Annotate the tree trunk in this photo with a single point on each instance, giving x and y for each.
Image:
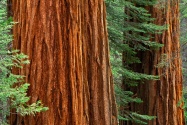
(162, 98)
(67, 44)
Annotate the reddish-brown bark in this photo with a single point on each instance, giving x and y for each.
(66, 41)
(162, 98)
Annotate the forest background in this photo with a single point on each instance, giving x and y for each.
(130, 28)
(131, 24)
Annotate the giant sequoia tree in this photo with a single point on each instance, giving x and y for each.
(162, 98)
(66, 41)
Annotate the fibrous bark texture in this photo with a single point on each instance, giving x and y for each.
(66, 41)
(162, 98)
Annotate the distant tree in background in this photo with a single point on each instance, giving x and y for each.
(130, 29)
(137, 39)
(162, 98)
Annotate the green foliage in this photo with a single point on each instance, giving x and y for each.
(130, 31)
(12, 95)
(125, 97)
(183, 9)
(137, 118)
(183, 18)
(185, 103)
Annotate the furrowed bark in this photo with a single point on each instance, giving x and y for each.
(67, 44)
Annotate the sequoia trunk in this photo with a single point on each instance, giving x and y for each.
(66, 41)
(162, 98)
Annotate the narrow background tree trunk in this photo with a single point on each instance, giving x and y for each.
(162, 98)
(66, 41)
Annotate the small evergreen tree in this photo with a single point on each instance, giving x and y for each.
(12, 94)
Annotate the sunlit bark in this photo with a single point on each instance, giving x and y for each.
(66, 41)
